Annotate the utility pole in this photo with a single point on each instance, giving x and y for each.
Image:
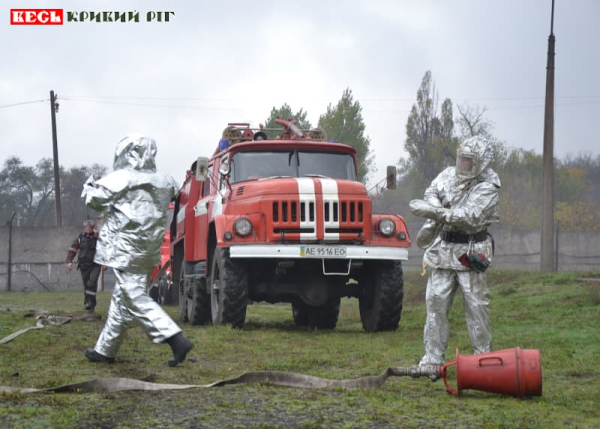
(547, 237)
(53, 112)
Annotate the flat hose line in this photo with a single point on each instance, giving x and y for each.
(276, 378)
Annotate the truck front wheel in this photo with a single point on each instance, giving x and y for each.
(229, 290)
(381, 295)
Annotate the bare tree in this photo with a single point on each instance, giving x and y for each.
(472, 122)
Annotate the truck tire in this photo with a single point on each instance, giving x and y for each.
(381, 296)
(325, 316)
(164, 295)
(183, 306)
(153, 292)
(229, 290)
(198, 310)
(301, 313)
(322, 317)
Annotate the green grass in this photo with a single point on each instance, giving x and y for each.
(551, 312)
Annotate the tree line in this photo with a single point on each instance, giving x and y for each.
(433, 132)
(28, 192)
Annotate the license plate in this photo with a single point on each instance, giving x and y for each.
(322, 252)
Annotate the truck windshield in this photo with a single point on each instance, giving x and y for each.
(255, 165)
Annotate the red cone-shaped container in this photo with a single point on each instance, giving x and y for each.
(513, 372)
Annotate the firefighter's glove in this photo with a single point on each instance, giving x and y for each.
(424, 209)
(428, 232)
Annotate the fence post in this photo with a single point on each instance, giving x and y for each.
(9, 224)
(556, 247)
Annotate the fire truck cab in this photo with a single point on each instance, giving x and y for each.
(283, 219)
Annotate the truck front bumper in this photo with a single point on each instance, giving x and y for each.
(318, 251)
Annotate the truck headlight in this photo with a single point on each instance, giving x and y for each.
(387, 227)
(243, 226)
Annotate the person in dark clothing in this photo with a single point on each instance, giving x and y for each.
(85, 246)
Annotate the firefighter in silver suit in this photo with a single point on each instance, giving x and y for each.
(133, 200)
(460, 204)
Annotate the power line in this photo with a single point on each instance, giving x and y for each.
(150, 105)
(24, 102)
(411, 100)
(514, 107)
(585, 100)
(535, 106)
(117, 97)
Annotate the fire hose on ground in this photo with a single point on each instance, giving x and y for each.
(514, 372)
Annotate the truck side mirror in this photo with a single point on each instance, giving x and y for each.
(202, 169)
(391, 177)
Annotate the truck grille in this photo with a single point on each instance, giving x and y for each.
(294, 220)
(287, 211)
(344, 212)
(343, 219)
(297, 220)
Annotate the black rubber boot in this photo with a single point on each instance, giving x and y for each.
(94, 356)
(180, 346)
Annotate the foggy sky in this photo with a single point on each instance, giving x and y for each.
(181, 82)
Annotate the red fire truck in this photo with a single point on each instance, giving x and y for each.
(284, 219)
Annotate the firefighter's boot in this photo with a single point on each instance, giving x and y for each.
(180, 346)
(94, 356)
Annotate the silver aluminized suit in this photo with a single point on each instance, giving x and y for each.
(459, 206)
(133, 200)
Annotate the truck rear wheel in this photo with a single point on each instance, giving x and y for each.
(323, 316)
(183, 308)
(301, 313)
(153, 292)
(164, 294)
(198, 310)
(229, 290)
(381, 296)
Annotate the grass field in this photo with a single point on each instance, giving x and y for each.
(554, 313)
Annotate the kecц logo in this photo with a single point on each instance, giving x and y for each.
(58, 16)
(36, 17)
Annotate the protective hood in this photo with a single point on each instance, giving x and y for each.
(133, 200)
(137, 152)
(474, 155)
